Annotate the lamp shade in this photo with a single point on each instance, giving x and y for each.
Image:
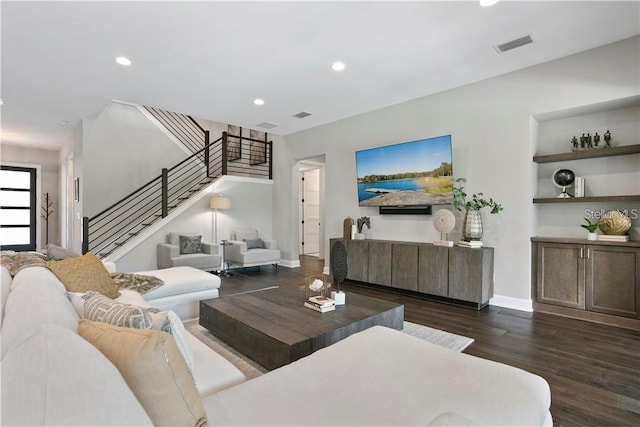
(220, 202)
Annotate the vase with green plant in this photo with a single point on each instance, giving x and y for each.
(472, 225)
(591, 227)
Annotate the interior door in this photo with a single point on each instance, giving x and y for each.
(311, 212)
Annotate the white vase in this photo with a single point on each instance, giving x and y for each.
(359, 236)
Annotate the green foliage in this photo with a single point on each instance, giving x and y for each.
(477, 201)
(590, 226)
(443, 170)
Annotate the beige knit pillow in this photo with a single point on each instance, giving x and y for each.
(84, 273)
(154, 369)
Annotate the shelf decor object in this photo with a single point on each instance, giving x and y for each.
(614, 223)
(472, 224)
(563, 178)
(444, 221)
(591, 228)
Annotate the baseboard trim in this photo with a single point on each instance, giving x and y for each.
(289, 263)
(326, 270)
(510, 302)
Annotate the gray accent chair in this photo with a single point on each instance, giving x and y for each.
(241, 250)
(169, 254)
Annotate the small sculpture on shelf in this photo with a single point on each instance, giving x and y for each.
(574, 144)
(587, 142)
(607, 138)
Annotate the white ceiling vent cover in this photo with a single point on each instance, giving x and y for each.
(522, 41)
(267, 125)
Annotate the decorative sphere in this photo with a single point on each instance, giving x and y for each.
(563, 177)
(614, 223)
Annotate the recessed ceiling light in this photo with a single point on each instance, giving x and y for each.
(487, 3)
(338, 66)
(1, 101)
(63, 122)
(122, 60)
(258, 101)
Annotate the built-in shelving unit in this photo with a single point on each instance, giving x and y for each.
(591, 199)
(588, 154)
(583, 155)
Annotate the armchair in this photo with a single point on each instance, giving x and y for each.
(187, 249)
(247, 249)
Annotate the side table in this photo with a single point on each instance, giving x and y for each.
(225, 268)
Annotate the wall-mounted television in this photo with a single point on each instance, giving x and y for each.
(416, 173)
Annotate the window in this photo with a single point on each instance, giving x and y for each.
(17, 208)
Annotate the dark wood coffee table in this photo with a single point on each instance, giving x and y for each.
(273, 327)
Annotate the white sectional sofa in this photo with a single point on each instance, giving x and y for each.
(52, 376)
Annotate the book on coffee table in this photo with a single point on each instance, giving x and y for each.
(321, 301)
(313, 306)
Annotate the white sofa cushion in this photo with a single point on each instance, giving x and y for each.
(57, 378)
(37, 299)
(212, 372)
(384, 377)
(180, 280)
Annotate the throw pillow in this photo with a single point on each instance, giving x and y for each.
(136, 282)
(84, 273)
(169, 322)
(154, 369)
(254, 243)
(190, 245)
(57, 253)
(102, 309)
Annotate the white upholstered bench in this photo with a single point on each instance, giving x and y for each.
(182, 291)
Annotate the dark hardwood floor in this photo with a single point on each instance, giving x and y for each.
(593, 370)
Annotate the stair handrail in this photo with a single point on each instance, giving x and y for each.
(177, 185)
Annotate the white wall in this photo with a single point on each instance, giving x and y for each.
(123, 150)
(491, 128)
(48, 176)
(251, 207)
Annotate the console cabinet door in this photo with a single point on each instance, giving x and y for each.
(613, 280)
(433, 270)
(560, 274)
(379, 263)
(358, 256)
(404, 266)
(471, 274)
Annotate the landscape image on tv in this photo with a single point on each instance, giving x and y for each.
(408, 174)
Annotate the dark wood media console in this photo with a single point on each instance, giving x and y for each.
(458, 275)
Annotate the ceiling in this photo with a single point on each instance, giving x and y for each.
(212, 59)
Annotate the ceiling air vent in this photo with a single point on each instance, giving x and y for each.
(522, 41)
(267, 125)
(302, 115)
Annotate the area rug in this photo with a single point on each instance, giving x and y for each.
(251, 369)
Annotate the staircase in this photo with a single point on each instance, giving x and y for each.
(106, 232)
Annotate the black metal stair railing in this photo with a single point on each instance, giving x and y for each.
(182, 126)
(110, 229)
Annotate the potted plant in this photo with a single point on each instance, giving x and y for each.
(591, 227)
(472, 225)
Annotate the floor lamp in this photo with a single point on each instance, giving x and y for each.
(219, 201)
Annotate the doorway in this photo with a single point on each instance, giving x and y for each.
(310, 212)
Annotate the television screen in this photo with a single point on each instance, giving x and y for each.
(416, 173)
